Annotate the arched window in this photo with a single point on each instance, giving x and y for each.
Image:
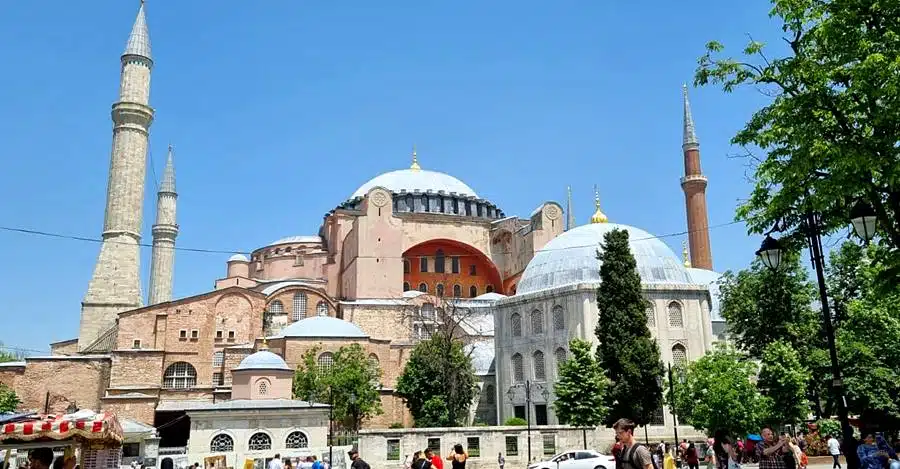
(540, 371)
(221, 443)
(439, 289)
(518, 368)
(651, 316)
(299, 306)
(276, 307)
(263, 388)
(406, 266)
(180, 375)
(515, 323)
(325, 361)
(457, 291)
(427, 311)
(473, 291)
(296, 440)
(676, 316)
(559, 318)
(410, 205)
(423, 264)
(561, 356)
(259, 442)
(423, 287)
(537, 322)
(489, 394)
(489, 289)
(439, 261)
(373, 360)
(679, 354)
(322, 309)
(405, 286)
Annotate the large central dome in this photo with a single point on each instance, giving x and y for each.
(412, 180)
(571, 258)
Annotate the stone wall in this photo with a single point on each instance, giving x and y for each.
(81, 379)
(141, 409)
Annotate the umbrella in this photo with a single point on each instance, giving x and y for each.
(754, 437)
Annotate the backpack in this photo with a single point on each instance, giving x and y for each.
(628, 456)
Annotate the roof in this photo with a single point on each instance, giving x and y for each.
(297, 239)
(709, 279)
(272, 288)
(571, 258)
(322, 326)
(238, 258)
(139, 39)
(412, 180)
(482, 354)
(81, 425)
(263, 360)
(238, 404)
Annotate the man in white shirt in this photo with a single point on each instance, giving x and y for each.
(834, 449)
(275, 463)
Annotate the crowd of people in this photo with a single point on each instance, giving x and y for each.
(428, 459)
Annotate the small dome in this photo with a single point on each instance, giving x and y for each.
(238, 258)
(297, 239)
(263, 360)
(323, 326)
(412, 180)
(571, 258)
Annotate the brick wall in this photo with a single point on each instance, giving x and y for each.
(136, 368)
(142, 410)
(81, 380)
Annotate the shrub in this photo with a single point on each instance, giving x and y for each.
(515, 422)
(395, 425)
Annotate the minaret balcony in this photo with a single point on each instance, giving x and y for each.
(694, 180)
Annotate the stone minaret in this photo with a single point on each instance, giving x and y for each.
(116, 283)
(570, 215)
(165, 230)
(694, 185)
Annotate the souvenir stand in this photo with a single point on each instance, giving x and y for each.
(95, 437)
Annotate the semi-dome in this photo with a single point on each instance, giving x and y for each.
(323, 326)
(412, 180)
(238, 258)
(263, 360)
(571, 258)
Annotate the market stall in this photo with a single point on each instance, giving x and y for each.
(94, 438)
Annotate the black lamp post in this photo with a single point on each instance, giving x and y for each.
(672, 408)
(330, 427)
(771, 253)
(511, 395)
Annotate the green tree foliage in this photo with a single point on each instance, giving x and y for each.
(627, 353)
(783, 380)
(438, 382)
(716, 392)
(9, 401)
(350, 384)
(830, 133)
(580, 388)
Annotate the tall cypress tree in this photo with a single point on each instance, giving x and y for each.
(627, 352)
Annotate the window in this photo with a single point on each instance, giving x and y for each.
(325, 361)
(276, 307)
(299, 306)
(540, 371)
(406, 268)
(454, 264)
(473, 446)
(423, 288)
(676, 318)
(263, 388)
(512, 445)
(136, 344)
(658, 418)
(489, 394)
(221, 443)
(296, 440)
(560, 355)
(537, 322)
(373, 360)
(679, 355)
(515, 322)
(457, 291)
(195, 334)
(439, 289)
(489, 289)
(182, 334)
(260, 442)
(218, 379)
(405, 286)
(473, 291)
(218, 358)
(518, 368)
(427, 312)
(423, 264)
(393, 449)
(230, 335)
(473, 270)
(549, 443)
(322, 309)
(434, 444)
(220, 335)
(559, 318)
(651, 316)
(180, 375)
(439, 261)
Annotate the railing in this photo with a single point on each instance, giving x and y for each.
(342, 437)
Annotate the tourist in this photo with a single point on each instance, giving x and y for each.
(726, 453)
(358, 462)
(834, 449)
(501, 461)
(709, 456)
(458, 457)
(691, 457)
(633, 455)
(436, 461)
(275, 463)
(316, 463)
(40, 458)
(771, 451)
(870, 455)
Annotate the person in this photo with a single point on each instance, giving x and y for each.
(771, 450)
(691, 457)
(798, 453)
(275, 463)
(709, 457)
(501, 461)
(870, 455)
(634, 456)
(419, 461)
(660, 454)
(436, 461)
(40, 458)
(458, 457)
(834, 449)
(316, 463)
(357, 462)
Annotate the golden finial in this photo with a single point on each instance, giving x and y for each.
(415, 164)
(684, 254)
(265, 344)
(598, 217)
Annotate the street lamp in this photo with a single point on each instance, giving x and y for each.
(864, 221)
(672, 408)
(511, 394)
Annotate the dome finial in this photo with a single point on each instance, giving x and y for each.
(415, 162)
(599, 216)
(684, 254)
(265, 344)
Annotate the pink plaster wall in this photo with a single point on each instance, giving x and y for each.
(246, 384)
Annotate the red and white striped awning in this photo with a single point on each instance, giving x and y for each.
(83, 424)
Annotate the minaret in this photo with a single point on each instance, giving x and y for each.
(570, 218)
(694, 185)
(165, 230)
(116, 282)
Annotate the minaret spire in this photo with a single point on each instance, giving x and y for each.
(165, 230)
(415, 160)
(684, 254)
(690, 135)
(694, 186)
(139, 40)
(570, 218)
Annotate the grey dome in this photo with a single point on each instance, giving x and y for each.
(571, 258)
(263, 360)
(238, 258)
(323, 326)
(412, 180)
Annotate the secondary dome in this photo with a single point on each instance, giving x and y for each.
(323, 326)
(412, 180)
(263, 360)
(571, 258)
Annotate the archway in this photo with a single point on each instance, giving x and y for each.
(446, 264)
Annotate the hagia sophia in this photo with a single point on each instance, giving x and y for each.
(401, 246)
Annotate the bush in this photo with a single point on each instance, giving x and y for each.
(816, 445)
(515, 422)
(395, 425)
(828, 427)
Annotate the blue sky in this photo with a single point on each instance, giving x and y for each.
(279, 113)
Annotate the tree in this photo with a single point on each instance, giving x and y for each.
(627, 353)
(716, 393)
(579, 389)
(350, 384)
(438, 382)
(9, 401)
(783, 380)
(830, 133)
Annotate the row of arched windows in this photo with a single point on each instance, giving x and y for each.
(537, 322)
(259, 441)
(326, 361)
(674, 312)
(538, 364)
(440, 291)
(299, 309)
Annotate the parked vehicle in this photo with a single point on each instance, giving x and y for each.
(578, 459)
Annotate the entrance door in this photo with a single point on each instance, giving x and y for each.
(540, 414)
(519, 412)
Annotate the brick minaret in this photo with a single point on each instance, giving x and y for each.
(116, 283)
(694, 185)
(165, 230)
